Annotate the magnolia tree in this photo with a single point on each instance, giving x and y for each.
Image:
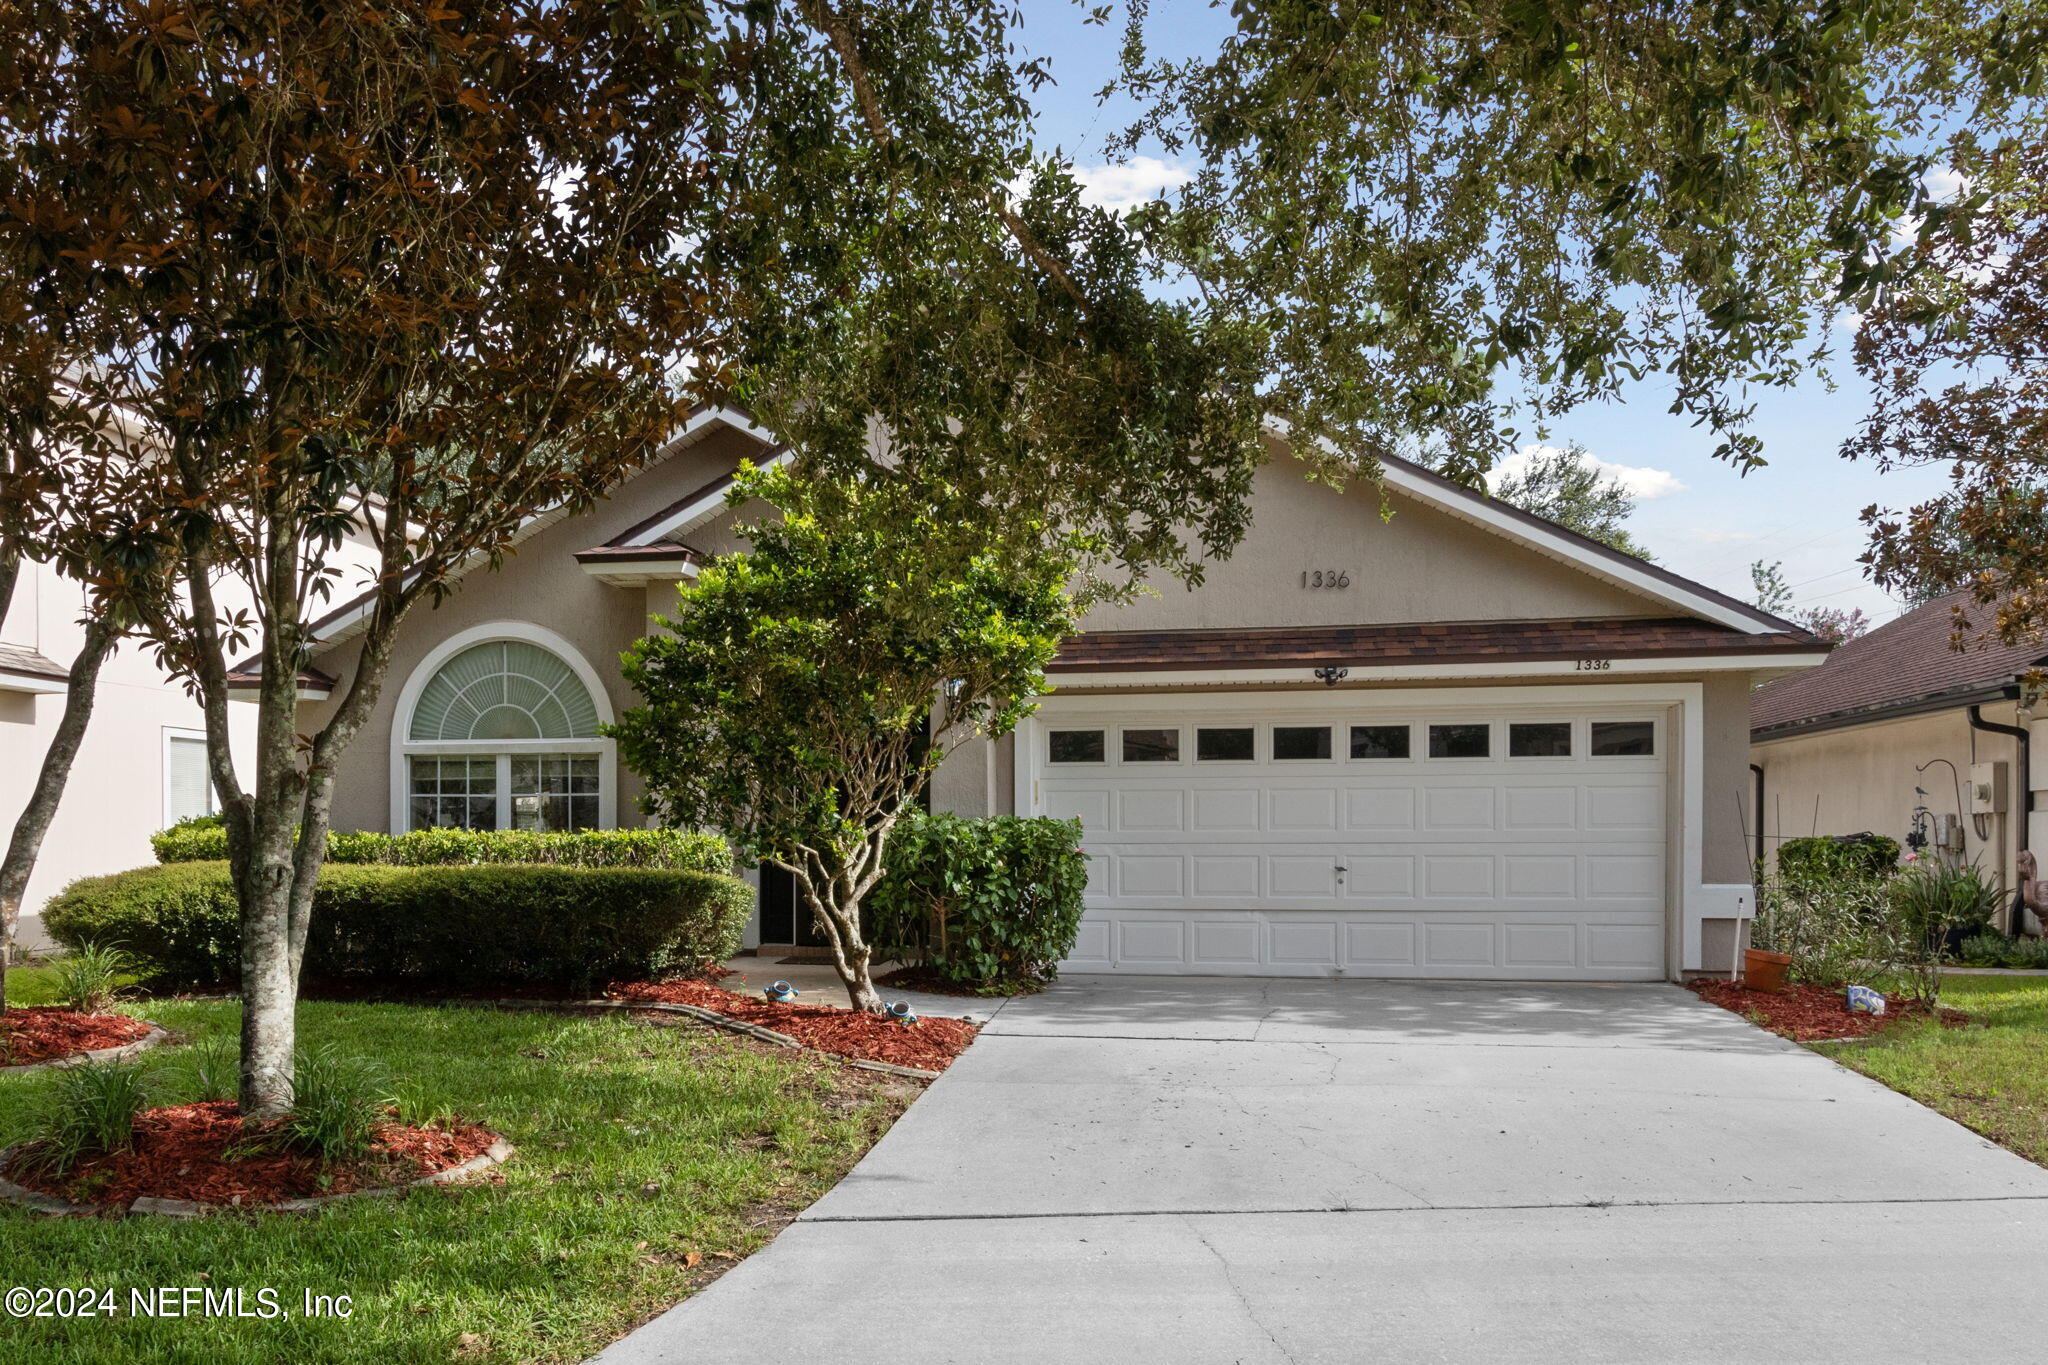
(351, 270)
(806, 689)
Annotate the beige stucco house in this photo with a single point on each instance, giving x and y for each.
(1457, 742)
(1901, 734)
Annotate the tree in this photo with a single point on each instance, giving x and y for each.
(1774, 595)
(1454, 219)
(1568, 487)
(806, 689)
(1957, 357)
(354, 267)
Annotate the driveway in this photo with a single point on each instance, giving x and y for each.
(1239, 1170)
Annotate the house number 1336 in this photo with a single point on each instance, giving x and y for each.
(1326, 578)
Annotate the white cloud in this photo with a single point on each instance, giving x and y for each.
(1643, 484)
(1122, 186)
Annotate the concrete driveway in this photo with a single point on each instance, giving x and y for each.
(1292, 1171)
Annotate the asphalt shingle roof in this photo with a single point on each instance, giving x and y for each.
(1902, 662)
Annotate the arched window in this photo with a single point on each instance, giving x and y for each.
(499, 729)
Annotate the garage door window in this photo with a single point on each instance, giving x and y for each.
(1379, 741)
(1076, 746)
(1296, 742)
(1540, 739)
(1232, 745)
(1460, 741)
(1624, 738)
(1151, 746)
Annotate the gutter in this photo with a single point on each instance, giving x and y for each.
(1758, 769)
(2001, 690)
(2026, 804)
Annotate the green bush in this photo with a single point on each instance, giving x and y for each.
(423, 927)
(89, 1112)
(1996, 950)
(205, 840)
(195, 839)
(981, 902)
(1942, 904)
(1839, 855)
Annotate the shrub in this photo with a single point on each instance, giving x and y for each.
(90, 1111)
(981, 902)
(1940, 904)
(1996, 950)
(443, 927)
(210, 1068)
(91, 977)
(1840, 855)
(338, 1104)
(680, 850)
(1834, 928)
(196, 838)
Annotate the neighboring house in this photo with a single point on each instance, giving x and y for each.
(1460, 742)
(141, 766)
(1898, 731)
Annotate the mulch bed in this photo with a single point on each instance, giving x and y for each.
(203, 1153)
(43, 1034)
(930, 1044)
(929, 982)
(1812, 1014)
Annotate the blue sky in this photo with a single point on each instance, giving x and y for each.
(1697, 515)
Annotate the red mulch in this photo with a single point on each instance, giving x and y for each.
(202, 1152)
(41, 1034)
(930, 1044)
(1810, 1014)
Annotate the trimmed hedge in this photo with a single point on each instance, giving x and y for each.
(443, 927)
(204, 840)
(1834, 854)
(981, 901)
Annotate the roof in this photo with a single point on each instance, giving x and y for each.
(1434, 642)
(1903, 665)
(26, 662)
(246, 676)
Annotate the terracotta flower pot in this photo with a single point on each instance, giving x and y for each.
(1763, 970)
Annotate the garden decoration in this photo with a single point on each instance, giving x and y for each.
(1763, 970)
(781, 992)
(902, 1012)
(1863, 1000)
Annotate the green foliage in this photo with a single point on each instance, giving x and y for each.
(1835, 928)
(1569, 487)
(208, 1068)
(678, 849)
(1841, 855)
(90, 977)
(1938, 903)
(1459, 221)
(197, 838)
(983, 902)
(423, 927)
(1996, 950)
(338, 1103)
(90, 1111)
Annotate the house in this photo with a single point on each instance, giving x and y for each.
(140, 767)
(1901, 734)
(1459, 742)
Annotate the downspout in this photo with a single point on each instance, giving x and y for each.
(2026, 804)
(1758, 769)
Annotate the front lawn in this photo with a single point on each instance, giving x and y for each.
(651, 1156)
(1991, 1075)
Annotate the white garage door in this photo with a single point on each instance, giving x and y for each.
(1359, 841)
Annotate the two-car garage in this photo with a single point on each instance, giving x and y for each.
(1503, 832)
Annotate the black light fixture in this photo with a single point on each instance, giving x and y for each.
(1332, 675)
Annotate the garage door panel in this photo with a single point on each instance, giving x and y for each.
(1381, 808)
(1313, 809)
(1150, 810)
(1547, 867)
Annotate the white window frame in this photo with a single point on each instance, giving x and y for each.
(403, 750)
(171, 732)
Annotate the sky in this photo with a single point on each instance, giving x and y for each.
(1694, 513)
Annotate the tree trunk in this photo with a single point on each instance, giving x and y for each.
(80, 690)
(834, 895)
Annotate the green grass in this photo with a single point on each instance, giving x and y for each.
(1991, 1076)
(642, 1149)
